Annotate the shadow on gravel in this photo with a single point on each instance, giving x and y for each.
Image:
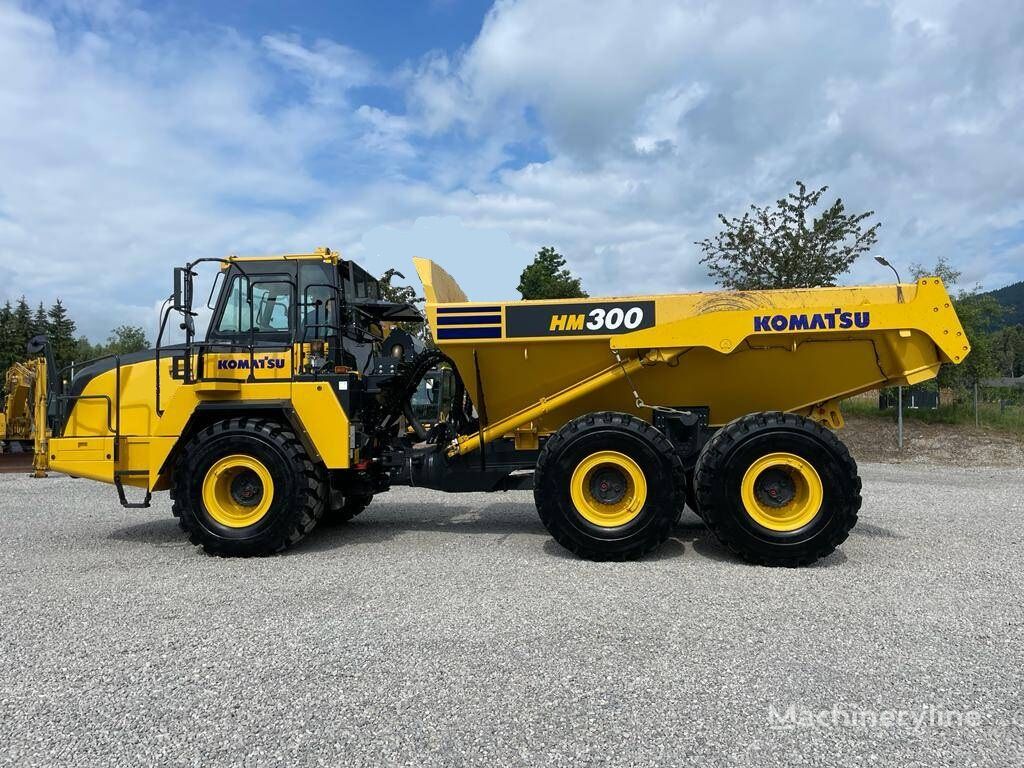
(705, 544)
(836, 558)
(493, 520)
(702, 541)
(876, 531)
(670, 550)
(373, 526)
(696, 535)
(163, 532)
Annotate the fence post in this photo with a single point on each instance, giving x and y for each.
(899, 418)
(977, 418)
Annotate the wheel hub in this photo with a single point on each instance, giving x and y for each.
(246, 488)
(608, 489)
(775, 488)
(608, 485)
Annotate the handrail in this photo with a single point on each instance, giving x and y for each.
(113, 426)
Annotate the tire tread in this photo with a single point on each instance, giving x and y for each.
(311, 482)
(546, 460)
(713, 455)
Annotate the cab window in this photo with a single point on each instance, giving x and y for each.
(271, 307)
(360, 285)
(318, 308)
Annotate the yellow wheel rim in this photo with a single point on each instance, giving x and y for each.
(238, 491)
(782, 492)
(608, 489)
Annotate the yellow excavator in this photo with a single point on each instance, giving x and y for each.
(24, 407)
(300, 401)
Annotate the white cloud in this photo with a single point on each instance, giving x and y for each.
(658, 115)
(329, 67)
(613, 130)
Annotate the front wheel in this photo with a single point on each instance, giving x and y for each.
(609, 486)
(777, 489)
(245, 487)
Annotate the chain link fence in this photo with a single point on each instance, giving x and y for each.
(996, 402)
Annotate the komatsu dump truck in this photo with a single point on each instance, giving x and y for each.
(298, 403)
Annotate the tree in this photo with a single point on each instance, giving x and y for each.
(402, 294)
(125, 339)
(1008, 349)
(949, 274)
(62, 334)
(8, 352)
(40, 322)
(86, 350)
(777, 248)
(977, 312)
(399, 294)
(21, 324)
(548, 278)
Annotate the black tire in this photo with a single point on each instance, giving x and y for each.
(734, 448)
(298, 488)
(691, 495)
(647, 447)
(350, 506)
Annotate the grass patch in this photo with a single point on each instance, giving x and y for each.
(1010, 418)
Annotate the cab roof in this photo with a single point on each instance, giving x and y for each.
(320, 254)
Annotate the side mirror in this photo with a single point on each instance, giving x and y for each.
(179, 287)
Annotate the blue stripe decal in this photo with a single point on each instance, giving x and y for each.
(470, 320)
(469, 333)
(465, 310)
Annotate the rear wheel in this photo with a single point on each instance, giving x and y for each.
(609, 486)
(777, 489)
(246, 487)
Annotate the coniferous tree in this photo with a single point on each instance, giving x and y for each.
(8, 353)
(40, 322)
(62, 334)
(22, 328)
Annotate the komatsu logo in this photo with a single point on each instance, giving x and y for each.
(243, 364)
(819, 321)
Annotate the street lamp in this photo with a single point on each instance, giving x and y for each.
(899, 288)
(899, 398)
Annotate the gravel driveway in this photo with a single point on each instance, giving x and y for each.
(450, 630)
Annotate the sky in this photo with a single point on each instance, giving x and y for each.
(135, 136)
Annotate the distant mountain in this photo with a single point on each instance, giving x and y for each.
(1011, 297)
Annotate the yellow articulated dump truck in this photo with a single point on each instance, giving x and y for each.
(298, 403)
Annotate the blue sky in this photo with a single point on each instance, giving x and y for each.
(135, 136)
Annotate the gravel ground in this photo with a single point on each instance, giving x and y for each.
(440, 630)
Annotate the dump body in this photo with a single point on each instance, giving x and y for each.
(732, 352)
